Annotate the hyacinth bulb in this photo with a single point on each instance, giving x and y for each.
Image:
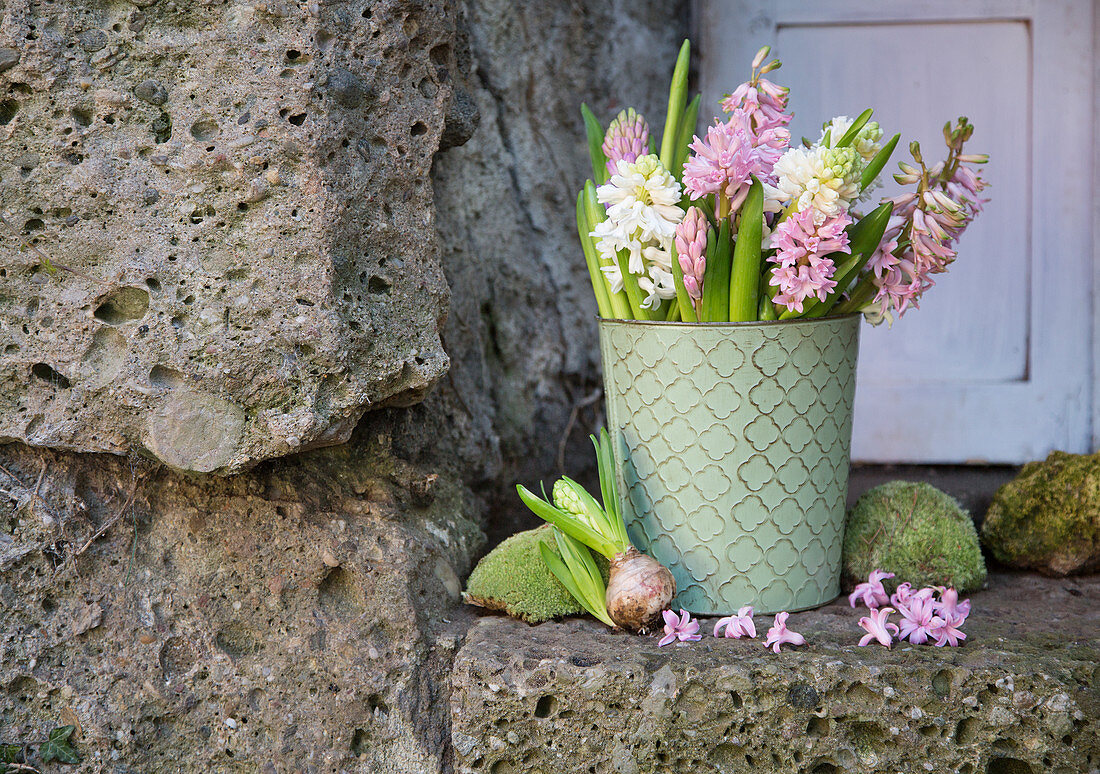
(638, 590)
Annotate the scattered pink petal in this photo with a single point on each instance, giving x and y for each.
(683, 628)
(871, 593)
(877, 627)
(901, 595)
(949, 607)
(779, 634)
(737, 626)
(947, 632)
(916, 617)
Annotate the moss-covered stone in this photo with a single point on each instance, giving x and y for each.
(514, 579)
(1048, 517)
(915, 531)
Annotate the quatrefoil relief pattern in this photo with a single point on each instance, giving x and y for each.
(731, 449)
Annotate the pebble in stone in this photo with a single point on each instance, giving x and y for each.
(346, 87)
(9, 58)
(151, 91)
(93, 40)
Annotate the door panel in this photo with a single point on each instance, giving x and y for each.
(996, 364)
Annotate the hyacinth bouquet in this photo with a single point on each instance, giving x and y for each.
(731, 269)
(741, 225)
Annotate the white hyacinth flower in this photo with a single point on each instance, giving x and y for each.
(643, 197)
(824, 179)
(643, 210)
(868, 140)
(658, 286)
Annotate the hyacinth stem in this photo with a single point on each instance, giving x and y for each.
(683, 300)
(595, 134)
(595, 213)
(875, 165)
(677, 98)
(745, 273)
(633, 291)
(592, 259)
(687, 132)
(766, 309)
(860, 296)
(673, 313)
(716, 276)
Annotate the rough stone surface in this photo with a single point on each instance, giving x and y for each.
(293, 616)
(1048, 518)
(1022, 695)
(338, 657)
(241, 192)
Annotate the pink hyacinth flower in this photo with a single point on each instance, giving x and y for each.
(682, 627)
(627, 139)
(871, 593)
(802, 249)
(949, 607)
(691, 252)
(762, 101)
(947, 632)
(916, 617)
(737, 626)
(779, 634)
(731, 154)
(877, 627)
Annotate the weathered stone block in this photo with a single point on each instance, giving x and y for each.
(1022, 695)
(239, 195)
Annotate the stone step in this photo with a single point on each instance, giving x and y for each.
(1022, 695)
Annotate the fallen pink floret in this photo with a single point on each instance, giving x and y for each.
(949, 607)
(947, 632)
(682, 627)
(737, 626)
(779, 634)
(878, 628)
(871, 593)
(917, 616)
(901, 595)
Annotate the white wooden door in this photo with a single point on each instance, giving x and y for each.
(997, 364)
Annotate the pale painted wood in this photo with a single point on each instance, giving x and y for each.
(997, 365)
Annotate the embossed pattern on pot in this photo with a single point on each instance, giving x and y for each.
(732, 450)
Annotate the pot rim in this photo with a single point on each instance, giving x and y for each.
(747, 324)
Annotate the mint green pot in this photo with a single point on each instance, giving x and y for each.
(732, 445)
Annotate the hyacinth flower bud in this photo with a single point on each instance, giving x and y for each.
(627, 139)
(569, 500)
(691, 251)
(759, 58)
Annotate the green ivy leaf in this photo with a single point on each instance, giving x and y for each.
(58, 747)
(10, 753)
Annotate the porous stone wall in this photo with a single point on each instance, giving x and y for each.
(260, 207)
(239, 193)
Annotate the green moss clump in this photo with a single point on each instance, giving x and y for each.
(1048, 517)
(514, 579)
(916, 532)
